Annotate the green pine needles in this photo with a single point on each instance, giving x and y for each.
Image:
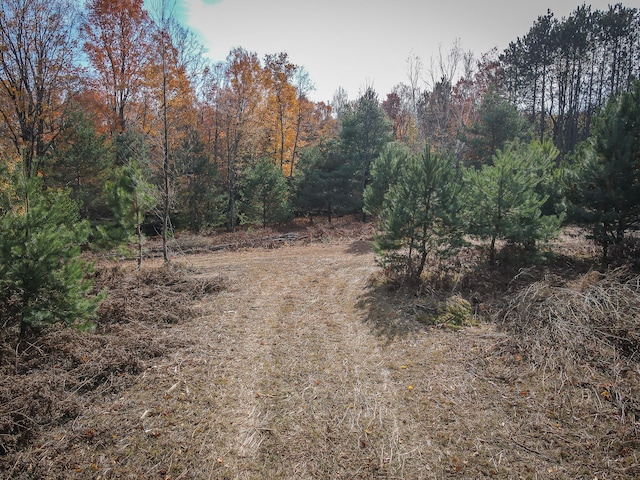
(506, 199)
(42, 277)
(264, 195)
(605, 186)
(419, 211)
(427, 204)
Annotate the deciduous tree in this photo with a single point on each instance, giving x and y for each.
(281, 107)
(118, 44)
(240, 101)
(37, 64)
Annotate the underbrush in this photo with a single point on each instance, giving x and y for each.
(299, 231)
(154, 295)
(566, 358)
(571, 352)
(583, 334)
(47, 380)
(546, 355)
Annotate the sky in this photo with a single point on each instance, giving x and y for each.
(355, 44)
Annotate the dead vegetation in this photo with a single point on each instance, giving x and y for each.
(301, 362)
(580, 343)
(49, 380)
(297, 232)
(154, 295)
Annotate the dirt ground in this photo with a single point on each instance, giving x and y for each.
(304, 366)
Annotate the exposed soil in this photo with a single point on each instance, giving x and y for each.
(305, 365)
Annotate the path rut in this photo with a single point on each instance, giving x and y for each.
(308, 389)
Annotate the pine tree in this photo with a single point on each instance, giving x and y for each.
(498, 122)
(504, 200)
(201, 197)
(419, 216)
(365, 130)
(325, 182)
(42, 276)
(81, 160)
(264, 194)
(131, 197)
(606, 189)
(385, 172)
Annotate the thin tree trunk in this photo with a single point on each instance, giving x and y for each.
(165, 150)
(492, 253)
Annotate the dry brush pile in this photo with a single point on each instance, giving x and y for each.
(48, 380)
(584, 331)
(572, 354)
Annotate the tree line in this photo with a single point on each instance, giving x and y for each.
(112, 122)
(563, 71)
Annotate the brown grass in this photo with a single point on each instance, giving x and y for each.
(52, 379)
(307, 365)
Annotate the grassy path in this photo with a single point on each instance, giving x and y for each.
(295, 380)
(308, 388)
(301, 369)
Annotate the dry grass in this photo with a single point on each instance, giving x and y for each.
(580, 342)
(307, 365)
(51, 380)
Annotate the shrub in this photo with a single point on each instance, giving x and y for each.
(506, 200)
(419, 214)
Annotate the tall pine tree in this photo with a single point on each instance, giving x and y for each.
(325, 182)
(365, 130)
(606, 190)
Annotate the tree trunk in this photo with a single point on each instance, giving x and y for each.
(492, 253)
(139, 236)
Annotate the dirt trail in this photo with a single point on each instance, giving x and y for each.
(305, 387)
(296, 370)
(292, 376)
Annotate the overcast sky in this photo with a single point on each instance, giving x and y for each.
(358, 43)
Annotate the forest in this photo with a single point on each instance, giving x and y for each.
(115, 127)
(118, 136)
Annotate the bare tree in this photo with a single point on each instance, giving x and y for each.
(303, 85)
(339, 102)
(445, 66)
(414, 73)
(38, 44)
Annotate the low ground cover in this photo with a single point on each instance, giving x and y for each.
(285, 354)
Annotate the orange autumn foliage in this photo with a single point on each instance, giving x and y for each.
(118, 44)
